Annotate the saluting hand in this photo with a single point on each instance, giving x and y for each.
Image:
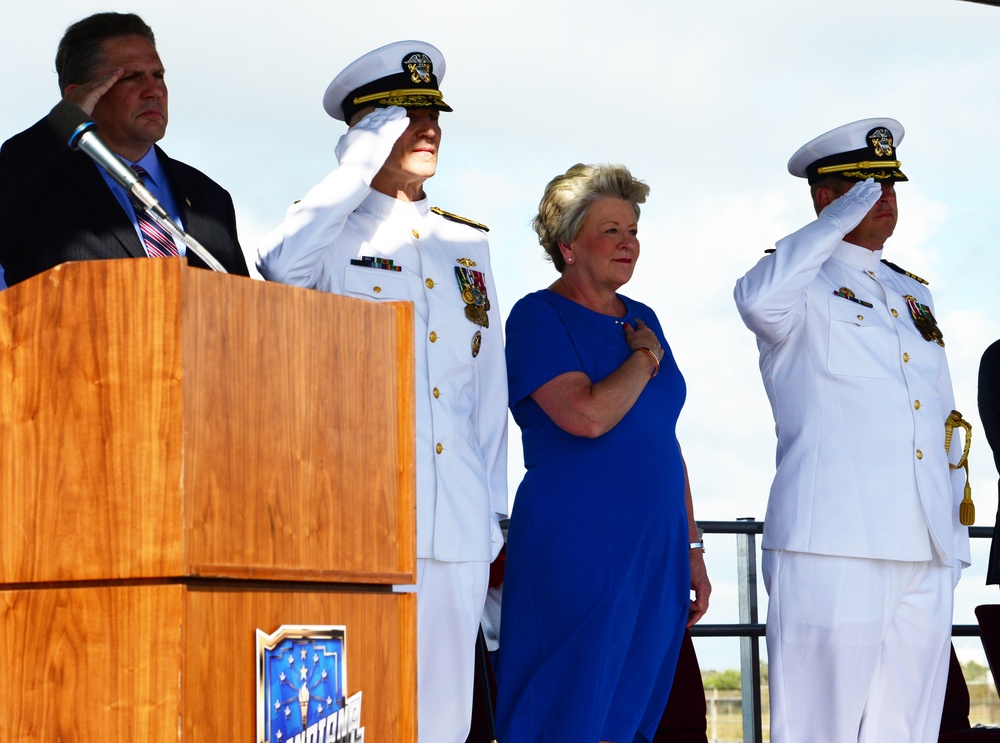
(848, 210)
(86, 95)
(368, 143)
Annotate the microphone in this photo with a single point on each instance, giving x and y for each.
(73, 126)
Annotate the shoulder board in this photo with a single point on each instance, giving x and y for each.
(903, 271)
(461, 220)
(768, 251)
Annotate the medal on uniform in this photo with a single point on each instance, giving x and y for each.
(472, 285)
(849, 294)
(924, 320)
(370, 261)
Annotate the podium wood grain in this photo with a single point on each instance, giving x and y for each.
(90, 664)
(175, 662)
(185, 458)
(167, 421)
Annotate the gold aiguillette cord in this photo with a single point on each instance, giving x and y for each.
(967, 510)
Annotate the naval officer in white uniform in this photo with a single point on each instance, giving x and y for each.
(863, 543)
(366, 231)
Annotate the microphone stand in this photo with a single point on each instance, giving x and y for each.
(72, 125)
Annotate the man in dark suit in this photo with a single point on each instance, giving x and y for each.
(989, 412)
(57, 206)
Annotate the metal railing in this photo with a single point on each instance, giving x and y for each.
(750, 629)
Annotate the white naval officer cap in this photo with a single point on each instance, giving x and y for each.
(855, 152)
(404, 73)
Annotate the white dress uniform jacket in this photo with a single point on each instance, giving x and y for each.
(461, 398)
(859, 399)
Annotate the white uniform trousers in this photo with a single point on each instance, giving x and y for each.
(450, 599)
(858, 649)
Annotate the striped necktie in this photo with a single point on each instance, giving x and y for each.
(157, 242)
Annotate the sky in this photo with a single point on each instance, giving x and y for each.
(704, 101)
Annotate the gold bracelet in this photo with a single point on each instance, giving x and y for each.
(656, 360)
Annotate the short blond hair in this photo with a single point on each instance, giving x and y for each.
(568, 197)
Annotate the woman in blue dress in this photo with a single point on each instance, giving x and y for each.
(602, 550)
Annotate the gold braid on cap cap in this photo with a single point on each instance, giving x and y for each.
(863, 165)
(877, 175)
(401, 94)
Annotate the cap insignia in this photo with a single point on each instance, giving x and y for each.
(881, 140)
(419, 66)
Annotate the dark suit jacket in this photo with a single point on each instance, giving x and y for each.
(989, 413)
(55, 207)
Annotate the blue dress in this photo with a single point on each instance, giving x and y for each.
(597, 579)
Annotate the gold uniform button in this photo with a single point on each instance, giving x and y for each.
(895, 314)
(437, 393)
(906, 358)
(377, 289)
(920, 454)
(439, 448)
(916, 404)
(433, 336)
(415, 234)
(861, 317)
(872, 274)
(430, 283)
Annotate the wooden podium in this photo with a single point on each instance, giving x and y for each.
(187, 457)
